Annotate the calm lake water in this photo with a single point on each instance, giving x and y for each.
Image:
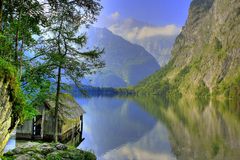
(149, 128)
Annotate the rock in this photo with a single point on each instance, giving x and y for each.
(29, 144)
(16, 151)
(9, 90)
(49, 151)
(45, 149)
(61, 146)
(24, 157)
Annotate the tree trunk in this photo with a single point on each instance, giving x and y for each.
(16, 48)
(21, 58)
(57, 103)
(17, 39)
(1, 12)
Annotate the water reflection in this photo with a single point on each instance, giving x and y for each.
(150, 128)
(199, 131)
(11, 144)
(154, 145)
(111, 123)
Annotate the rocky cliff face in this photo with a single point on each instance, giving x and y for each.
(206, 54)
(8, 119)
(5, 114)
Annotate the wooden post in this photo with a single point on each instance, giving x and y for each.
(57, 104)
(1, 11)
(81, 129)
(42, 124)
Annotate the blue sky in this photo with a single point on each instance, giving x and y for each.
(155, 12)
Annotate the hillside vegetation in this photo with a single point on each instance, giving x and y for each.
(206, 54)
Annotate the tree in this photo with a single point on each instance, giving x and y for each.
(62, 49)
(19, 21)
(1, 12)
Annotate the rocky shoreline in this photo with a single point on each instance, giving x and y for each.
(47, 151)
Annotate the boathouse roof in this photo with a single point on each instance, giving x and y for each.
(69, 109)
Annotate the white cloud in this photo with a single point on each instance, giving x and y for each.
(139, 33)
(152, 146)
(130, 152)
(115, 15)
(134, 30)
(168, 30)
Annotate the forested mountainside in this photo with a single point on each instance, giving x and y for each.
(126, 63)
(206, 54)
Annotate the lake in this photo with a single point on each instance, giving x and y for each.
(150, 128)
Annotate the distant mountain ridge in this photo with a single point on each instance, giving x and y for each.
(126, 63)
(206, 54)
(158, 45)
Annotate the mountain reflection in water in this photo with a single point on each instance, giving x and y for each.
(150, 128)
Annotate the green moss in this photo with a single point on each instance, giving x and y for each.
(71, 154)
(49, 151)
(21, 110)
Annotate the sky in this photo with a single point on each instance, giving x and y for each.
(154, 12)
(136, 20)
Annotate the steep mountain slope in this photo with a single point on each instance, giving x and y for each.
(206, 54)
(159, 46)
(126, 63)
(137, 32)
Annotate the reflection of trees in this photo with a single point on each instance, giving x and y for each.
(199, 131)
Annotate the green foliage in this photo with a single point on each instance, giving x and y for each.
(39, 151)
(6, 158)
(230, 88)
(73, 155)
(21, 109)
(157, 85)
(62, 48)
(20, 21)
(218, 44)
(202, 92)
(151, 84)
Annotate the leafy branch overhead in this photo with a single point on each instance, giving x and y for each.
(44, 40)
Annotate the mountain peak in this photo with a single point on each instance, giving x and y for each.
(126, 63)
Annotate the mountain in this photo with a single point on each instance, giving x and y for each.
(158, 41)
(126, 63)
(206, 54)
(159, 46)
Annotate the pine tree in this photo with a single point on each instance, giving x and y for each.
(62, 48)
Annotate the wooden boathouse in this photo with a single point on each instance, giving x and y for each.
(42, 127)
